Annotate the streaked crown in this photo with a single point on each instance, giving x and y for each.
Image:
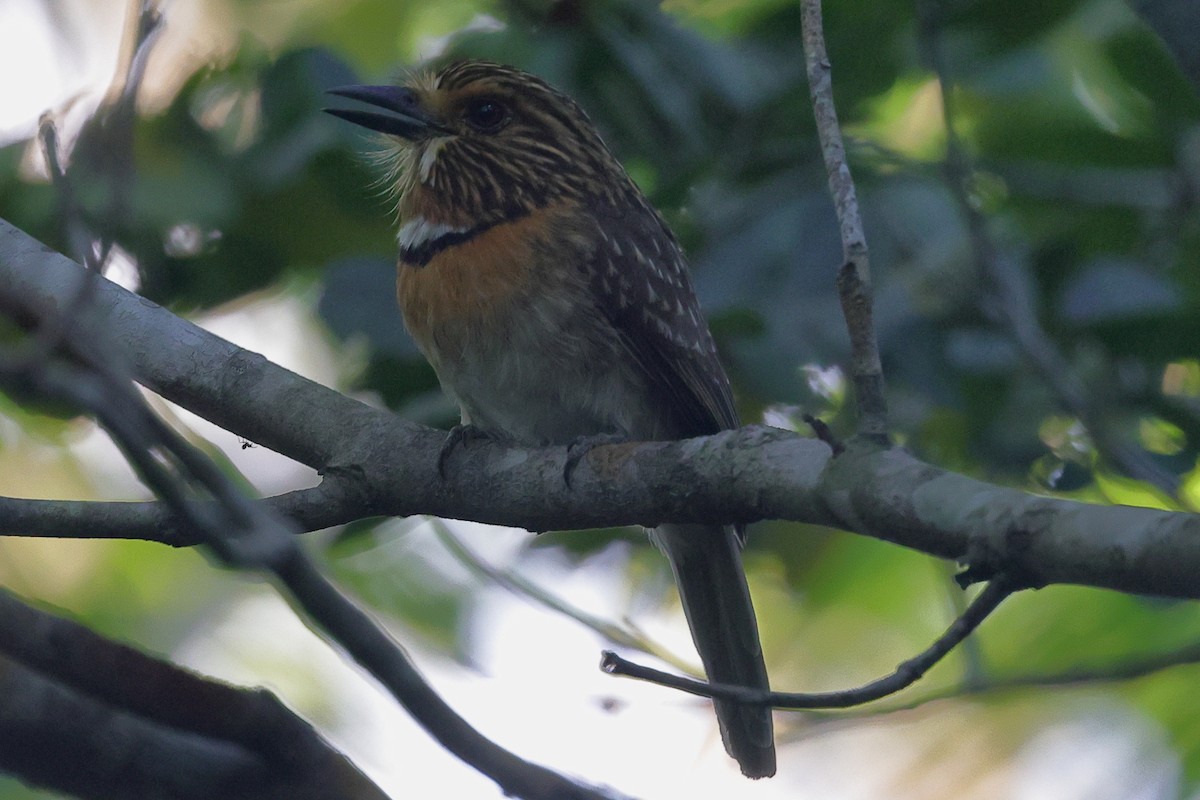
(484, 142)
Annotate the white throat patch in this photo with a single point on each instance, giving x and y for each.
(418, 232)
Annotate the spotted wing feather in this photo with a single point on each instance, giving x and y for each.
(642, 285)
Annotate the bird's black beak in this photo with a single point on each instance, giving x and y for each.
(406, 118)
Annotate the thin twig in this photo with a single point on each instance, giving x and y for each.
(117, 119)
(524, 588)
(105, 146)
(854, 277)
(905, 675)
(1132, 669)
(70, 215)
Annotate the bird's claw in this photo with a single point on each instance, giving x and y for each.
(458, 435)
(579, 448)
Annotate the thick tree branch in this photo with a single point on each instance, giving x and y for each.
(110, 712)
(745, 475)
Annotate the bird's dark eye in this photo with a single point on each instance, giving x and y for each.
(486, 114)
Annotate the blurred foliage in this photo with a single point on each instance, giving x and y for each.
(1085, 139)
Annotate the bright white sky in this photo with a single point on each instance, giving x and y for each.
(537, 689)
(45, 62)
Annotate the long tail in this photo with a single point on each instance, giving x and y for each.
(707, 563)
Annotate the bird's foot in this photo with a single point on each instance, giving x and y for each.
(458, 435)
(583, 445)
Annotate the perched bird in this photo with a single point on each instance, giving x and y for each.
(554, 303)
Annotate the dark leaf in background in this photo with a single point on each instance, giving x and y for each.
(1177, 22)
(1112, 289)
(359, 299)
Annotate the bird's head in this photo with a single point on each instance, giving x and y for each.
(479, 141)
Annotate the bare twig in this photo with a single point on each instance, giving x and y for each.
(854, 277)
(335, 501)
(524, 588)
(104, 145)
(113, 125)
(1010, 305)
(1130, 669)
(975, 686)
(145, 34)
(905, 675)
(70, 216)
